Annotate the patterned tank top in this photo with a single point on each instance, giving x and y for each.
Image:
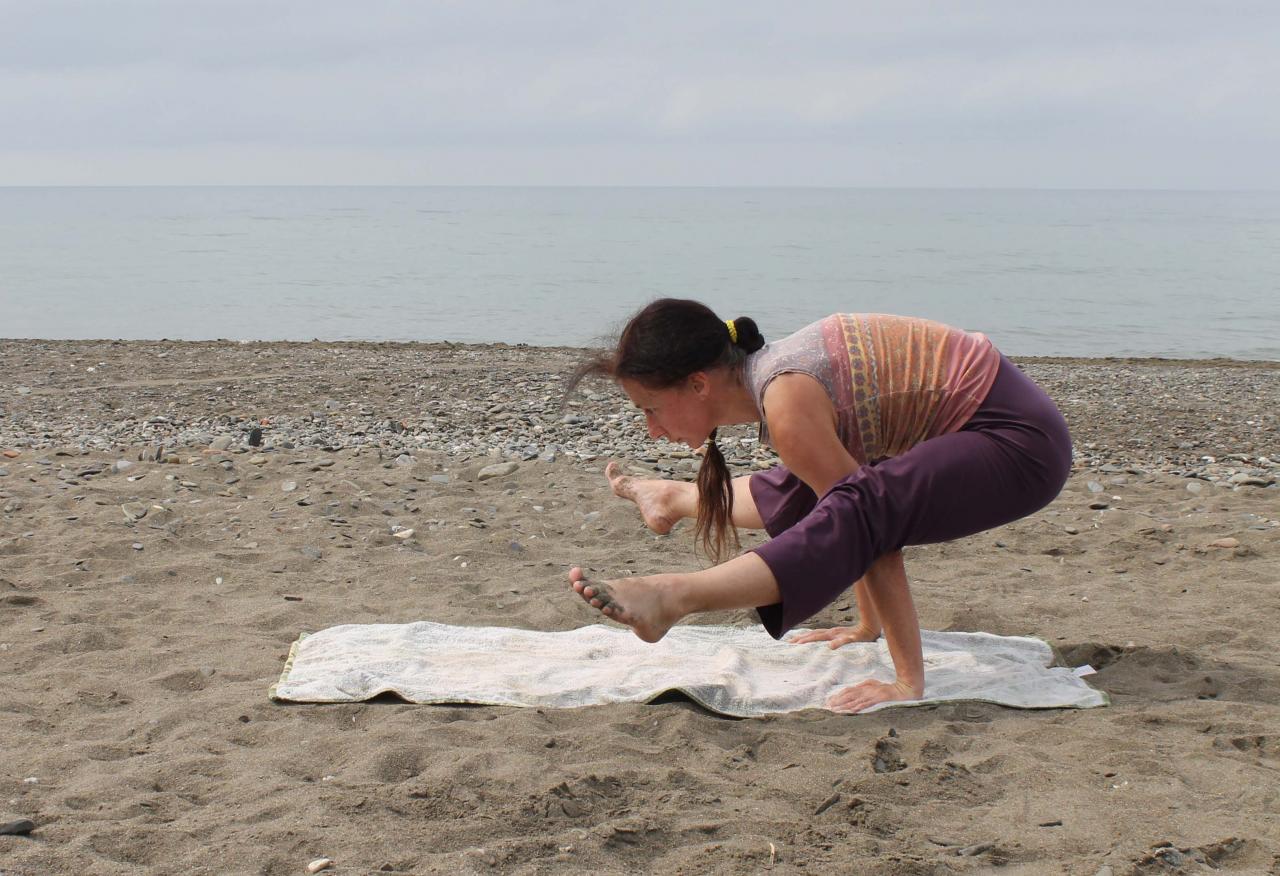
(894, 380)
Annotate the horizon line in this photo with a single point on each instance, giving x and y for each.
(687, 186)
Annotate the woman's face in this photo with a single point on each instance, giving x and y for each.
(680, 413)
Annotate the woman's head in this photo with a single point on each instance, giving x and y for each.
(672, 339)
(667, 359)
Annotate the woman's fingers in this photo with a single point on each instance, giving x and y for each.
(817, 636)
(864, 695)
(837, 636)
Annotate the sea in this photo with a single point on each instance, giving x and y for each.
(1184, 274)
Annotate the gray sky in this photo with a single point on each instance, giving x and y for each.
(561, 92)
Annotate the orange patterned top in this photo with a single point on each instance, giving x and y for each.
(894, 380)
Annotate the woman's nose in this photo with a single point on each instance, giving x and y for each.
(655, 431)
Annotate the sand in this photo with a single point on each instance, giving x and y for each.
(136, 655)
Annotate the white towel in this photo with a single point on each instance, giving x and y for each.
(730, 670)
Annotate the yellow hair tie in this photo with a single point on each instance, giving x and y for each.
(733, 330)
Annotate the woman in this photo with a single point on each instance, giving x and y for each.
(891, 430)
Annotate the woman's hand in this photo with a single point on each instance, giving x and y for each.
(866, 694)
(837, 636)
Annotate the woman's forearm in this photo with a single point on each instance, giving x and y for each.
(891, 598)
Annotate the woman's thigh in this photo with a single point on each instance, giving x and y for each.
(956, 485)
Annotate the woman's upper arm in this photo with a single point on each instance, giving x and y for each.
(802, 427)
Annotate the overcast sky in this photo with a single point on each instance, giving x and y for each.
(1111, 94)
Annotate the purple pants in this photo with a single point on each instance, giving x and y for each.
(1011, 459)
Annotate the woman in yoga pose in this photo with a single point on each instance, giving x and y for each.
(892, 431)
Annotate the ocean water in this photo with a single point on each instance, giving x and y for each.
(1079, 273)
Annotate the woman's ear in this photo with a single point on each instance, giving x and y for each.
(699, 384)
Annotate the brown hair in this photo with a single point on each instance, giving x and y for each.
(659, 348)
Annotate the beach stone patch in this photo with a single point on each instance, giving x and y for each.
(222, 442)
(497, 470)
(289, 486)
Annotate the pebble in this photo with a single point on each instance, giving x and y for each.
(404, 533)
(1095, 487)
(289, 486)
(137, 545)
(311, 552)
(4, 472)
(20, 827)
(1225, 543)
(257, 459)
(497, 470)
(134, 511)
(319, 864)
(222, 442)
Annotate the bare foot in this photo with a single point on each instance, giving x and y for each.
(837, 636)
(645, 604)
(654, 498)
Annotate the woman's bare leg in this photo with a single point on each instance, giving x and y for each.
(664, 503)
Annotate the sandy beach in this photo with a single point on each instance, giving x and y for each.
(155, 567)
